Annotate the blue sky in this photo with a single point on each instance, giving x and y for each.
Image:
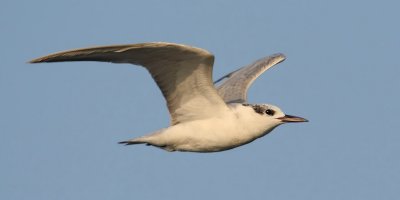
(60, 123)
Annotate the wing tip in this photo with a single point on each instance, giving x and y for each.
(48, 58)
(36, 60)
(274, 59)
(280, 56)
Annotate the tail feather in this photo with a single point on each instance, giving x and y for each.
(131, 142)
(146, 139)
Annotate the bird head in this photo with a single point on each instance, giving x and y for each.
(275, 113)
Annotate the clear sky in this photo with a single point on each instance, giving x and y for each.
(60, 123)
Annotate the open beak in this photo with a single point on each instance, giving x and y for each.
(291, 118)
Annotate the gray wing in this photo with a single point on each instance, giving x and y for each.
(234, 88)
(183, 74)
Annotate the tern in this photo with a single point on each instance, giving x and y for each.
(205, 117)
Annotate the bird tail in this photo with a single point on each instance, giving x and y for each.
(149, 141)
(139, 140)
(146, 139)
(130, 142)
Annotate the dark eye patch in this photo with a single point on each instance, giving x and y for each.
(261, 109)
(270, 112)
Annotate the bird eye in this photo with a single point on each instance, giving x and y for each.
(270, 112)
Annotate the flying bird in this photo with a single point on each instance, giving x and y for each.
(205, 116)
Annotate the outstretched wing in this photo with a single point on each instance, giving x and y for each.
(183, 74)
(234, 89)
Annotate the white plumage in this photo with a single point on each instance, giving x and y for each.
(203, 118)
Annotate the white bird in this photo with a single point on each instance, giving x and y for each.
(204, 118)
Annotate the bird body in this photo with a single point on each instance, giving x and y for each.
(204, 117)
(237, 126)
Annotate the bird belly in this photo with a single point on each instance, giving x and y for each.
(211, 135)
